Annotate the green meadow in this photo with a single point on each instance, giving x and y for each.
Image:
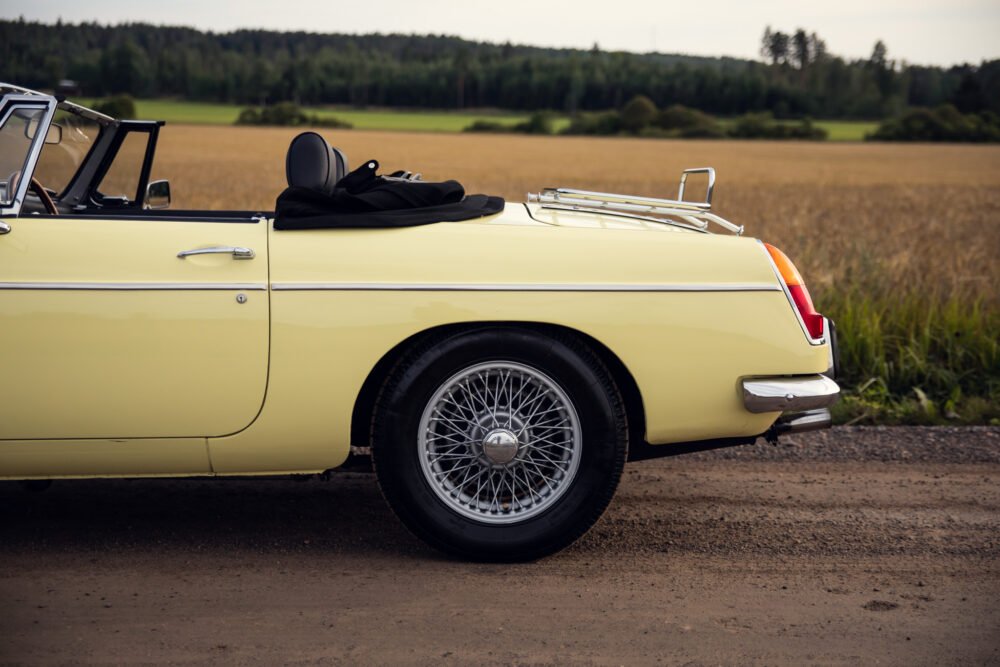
(202, 113)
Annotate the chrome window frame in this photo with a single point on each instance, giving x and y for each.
(12, 103)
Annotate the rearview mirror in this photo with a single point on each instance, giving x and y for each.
(158, 195)
(53, 136)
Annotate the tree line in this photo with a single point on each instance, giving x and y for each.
(797, 76)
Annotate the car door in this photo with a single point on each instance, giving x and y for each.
(131, 325)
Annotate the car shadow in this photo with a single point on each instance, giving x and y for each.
(344, 514)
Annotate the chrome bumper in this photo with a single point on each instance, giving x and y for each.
(798, 422)
(789, 394)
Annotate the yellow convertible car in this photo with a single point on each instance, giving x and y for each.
(498, 362)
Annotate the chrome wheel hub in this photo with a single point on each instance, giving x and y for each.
(500, 446)
(499, 442)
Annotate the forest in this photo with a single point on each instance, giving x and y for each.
(796, 76)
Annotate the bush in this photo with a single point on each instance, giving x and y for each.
(287, 114)
(602, 123)
(118, 106)
(763, 126)
(803, 130)
(540, 122)
(486, 126)
(638, 114)
(678, 121)
(249, 117)
(943, 123)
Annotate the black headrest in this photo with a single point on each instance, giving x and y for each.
(314, 164)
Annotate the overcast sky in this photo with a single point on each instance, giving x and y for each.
(918, 31)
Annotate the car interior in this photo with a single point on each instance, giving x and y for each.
(90, 168)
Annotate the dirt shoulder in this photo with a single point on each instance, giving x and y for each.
(852, 546)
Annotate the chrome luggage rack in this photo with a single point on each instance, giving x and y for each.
(694, 215)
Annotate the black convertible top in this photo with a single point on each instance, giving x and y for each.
(364, 200)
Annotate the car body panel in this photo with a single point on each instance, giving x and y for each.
(108, 334)
(150, 457)
(341, 299)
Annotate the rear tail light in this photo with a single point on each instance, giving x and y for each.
(812, 320)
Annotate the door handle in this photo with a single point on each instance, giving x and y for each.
(4, 228)
(237, 252)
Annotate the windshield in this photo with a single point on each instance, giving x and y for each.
(59, 162)
(15, 141)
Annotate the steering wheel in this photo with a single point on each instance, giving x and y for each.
(43, 194)
(37, 188)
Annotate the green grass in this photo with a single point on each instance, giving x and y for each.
(195, 113)
(203, 113)
(415, 121)
(846, 130)
(837, 130)
(913, 358)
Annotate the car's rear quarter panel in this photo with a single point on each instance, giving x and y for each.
(686, 350)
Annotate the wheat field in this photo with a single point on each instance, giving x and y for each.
(926, 215)
(899, 243)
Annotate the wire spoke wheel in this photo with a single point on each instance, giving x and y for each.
(499, 442)
(499, 459)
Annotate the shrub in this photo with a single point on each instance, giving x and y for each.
(638, 114)
(287, 114)
(249, 117)
(681, 122)
(602, 123)
(117, 106)
(486, 126)
(803, 130)
(540, 122)
(943, 123)
(763, 126)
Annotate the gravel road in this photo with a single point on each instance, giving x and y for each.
(853, 546)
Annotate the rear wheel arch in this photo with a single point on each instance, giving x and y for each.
(364, 404)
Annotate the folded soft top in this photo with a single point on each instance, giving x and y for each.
(362, 199)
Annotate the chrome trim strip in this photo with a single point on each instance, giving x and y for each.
(134, 287)
(780, 394)
(526, 287)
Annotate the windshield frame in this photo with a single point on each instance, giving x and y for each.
(9, 103)
(67, 185)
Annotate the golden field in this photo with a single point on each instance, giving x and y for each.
(899, 243)
(925, 215)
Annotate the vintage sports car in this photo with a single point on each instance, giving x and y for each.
(498, 362)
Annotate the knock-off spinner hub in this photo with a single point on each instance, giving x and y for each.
(500, 446)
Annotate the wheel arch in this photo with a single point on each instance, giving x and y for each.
(364, 403)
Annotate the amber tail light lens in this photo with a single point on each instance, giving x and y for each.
(800, 293)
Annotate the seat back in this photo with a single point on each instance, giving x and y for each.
(314, 164)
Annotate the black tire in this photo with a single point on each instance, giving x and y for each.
(599, 427)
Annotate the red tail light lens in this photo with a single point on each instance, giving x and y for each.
(800, 294)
